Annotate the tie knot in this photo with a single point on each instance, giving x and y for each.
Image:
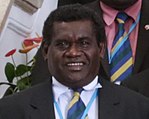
(78, 90)
(121, 17)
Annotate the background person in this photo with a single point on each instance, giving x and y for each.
(138, 38)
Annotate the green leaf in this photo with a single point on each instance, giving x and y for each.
(23, 83)
(29, 68)
(22, 69)
(10, 71)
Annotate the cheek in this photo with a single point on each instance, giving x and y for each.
(96, 58)
(54, 60)
(94, 63)
(51, 60)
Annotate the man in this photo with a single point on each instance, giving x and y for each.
(73, 42)
(138, 37)
(40, 64)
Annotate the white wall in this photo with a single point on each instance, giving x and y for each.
(18, 26)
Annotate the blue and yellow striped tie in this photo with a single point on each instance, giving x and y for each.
(76, 107)
(121, 53)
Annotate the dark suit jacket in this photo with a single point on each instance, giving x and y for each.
(115, 102)
(142, 51)
(139, 83)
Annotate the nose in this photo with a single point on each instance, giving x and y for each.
(73, 51)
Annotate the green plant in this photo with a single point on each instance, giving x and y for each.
(19, 76)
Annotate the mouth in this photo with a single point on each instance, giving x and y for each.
(75, 66)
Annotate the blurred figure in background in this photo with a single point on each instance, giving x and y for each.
(134, 73)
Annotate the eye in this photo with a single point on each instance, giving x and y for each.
(84, 43)
(62, 44)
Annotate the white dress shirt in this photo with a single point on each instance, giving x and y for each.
(63, 96)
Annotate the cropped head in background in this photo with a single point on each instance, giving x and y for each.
(119, 4)
(67, 2)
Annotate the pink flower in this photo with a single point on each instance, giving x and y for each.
(30, 41)
(27, 42)
(37, 40)
(10, 53)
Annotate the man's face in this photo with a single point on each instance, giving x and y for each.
(73, 55)
(119, 4)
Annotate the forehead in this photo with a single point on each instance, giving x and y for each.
(84, 26)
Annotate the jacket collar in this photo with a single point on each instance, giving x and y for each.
(41, 103)
(109, 100)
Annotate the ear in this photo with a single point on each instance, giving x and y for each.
(102, 47)
(44, 47)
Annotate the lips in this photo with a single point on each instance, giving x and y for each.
(75, 66)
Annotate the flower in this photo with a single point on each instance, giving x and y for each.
(10, 53)
(28, 48)
(29, 42)
(19, 76)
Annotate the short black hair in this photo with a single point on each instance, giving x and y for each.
(74, 12)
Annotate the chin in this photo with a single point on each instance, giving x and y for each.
(119, 4)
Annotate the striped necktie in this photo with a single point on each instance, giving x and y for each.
(121, 54)
(76, 107)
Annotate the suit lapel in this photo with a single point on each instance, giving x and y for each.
(41, 104)
(105, 64)
(143, 36)
(109, 102)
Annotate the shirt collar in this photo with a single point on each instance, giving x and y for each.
(109, 13)
(133, 11)
(93, 85)
(60, 89)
